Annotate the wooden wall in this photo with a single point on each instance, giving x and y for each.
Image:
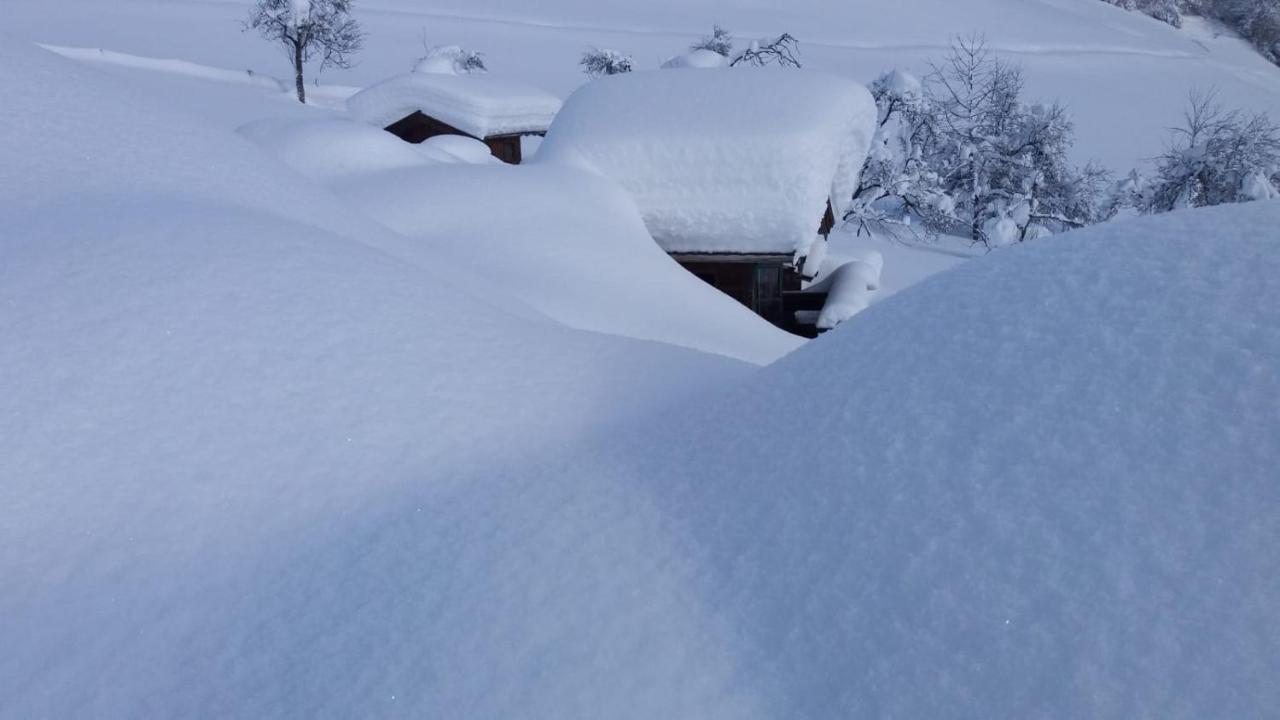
(419, 127)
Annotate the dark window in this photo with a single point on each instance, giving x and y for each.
(706, 277)
(766, 293)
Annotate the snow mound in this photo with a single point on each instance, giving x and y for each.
(735, 161)
(589, 264)
(335, 148)
(849, 289)
(1044, 484)
(457, 148)
(478, 104)
(701, 58)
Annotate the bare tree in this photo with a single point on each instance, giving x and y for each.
(782, 50)
(307, 29)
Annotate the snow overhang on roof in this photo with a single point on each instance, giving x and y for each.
(479, 105)
(736, 160)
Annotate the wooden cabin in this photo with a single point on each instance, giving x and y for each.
(770, 284)
(738, 174)
(423, 105)
(418, 127)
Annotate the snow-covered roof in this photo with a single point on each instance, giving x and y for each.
(737, 160)
(480, 104)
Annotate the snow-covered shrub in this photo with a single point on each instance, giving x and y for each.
(449, 60)
(1217, 156)
(598, 63)
(308, 29)
(720, 42)
(782, 51)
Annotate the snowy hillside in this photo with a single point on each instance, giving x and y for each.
(1125, 76)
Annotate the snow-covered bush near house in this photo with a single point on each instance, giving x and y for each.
(588, 263)
(708, 168)
(481, 105)
(450, 60)
(1043, 484)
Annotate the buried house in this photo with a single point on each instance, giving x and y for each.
(739, 174)
(421, 105)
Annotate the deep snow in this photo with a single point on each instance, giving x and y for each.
(262, 455)
(214, 411)
(1044, 484)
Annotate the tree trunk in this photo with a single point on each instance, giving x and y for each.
(297, 73)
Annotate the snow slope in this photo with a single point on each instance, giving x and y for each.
(1044, 484)
(247, 462)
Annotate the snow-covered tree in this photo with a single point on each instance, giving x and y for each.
(1001, 162)
(598, 63)
(783, 50)
(449, 60)
(1169, 11)
(898, 189)
(720, 42)
(1216, 156)
(307, 29)
(1258, 21)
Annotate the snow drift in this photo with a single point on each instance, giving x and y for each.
(569, 244)
(1044, 484)
(245, 460)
